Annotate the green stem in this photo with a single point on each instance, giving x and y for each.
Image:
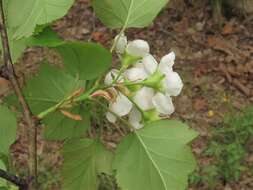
(123, 29)
(62, 102)
(122, 69)
(82, 97)
(86, 95)
(117, 39)
(50, 110)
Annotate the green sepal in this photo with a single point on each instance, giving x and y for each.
(155, 81)
(128, 60)
(151, 115)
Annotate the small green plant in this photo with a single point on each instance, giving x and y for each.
(229, 149)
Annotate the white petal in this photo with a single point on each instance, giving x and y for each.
(143, 98)
(138, 48)
(135, 118)
(163, 68)
(167, 62)
(121, 43)
(150, 64)
(163, 104)
(110, 117)
(136, 74)
(173, 83)
(169, 59)
(122, 106)
(111, 76)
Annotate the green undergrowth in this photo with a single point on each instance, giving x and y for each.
(229, 147)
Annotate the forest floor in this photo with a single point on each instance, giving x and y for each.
(215, 62)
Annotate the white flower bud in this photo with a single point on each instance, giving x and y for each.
(121, 43)
(138, 48)
(143, 98)
(150, 64)
(163, 104)
(122, 105)
(135, 118)
(136, 74)
(173, 84)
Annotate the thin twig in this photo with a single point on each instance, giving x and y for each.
(21, 183)
(9, 72)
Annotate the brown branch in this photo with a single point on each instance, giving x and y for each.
(9, 73)
(21, 183)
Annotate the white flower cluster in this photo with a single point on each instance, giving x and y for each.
(146, 97)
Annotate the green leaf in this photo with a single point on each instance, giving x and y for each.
(17, 47)
(34, 12)
(84, 159)
(8, 127)
(3, 182)
(155, 157)
(59, 127)
(47, 89)
(87, 60)
(46, 38)
(127, 13)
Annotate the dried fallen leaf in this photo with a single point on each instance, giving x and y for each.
(228, 28)
(200, 104)
(228, 47)
(241, 87)
(99, 36)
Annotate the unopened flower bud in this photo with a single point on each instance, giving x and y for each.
(135, 74)
(163, 104)
(143, 98)
(121, 43)
(138, 48)
(121, 106)
(173, 84)
(135, 118)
